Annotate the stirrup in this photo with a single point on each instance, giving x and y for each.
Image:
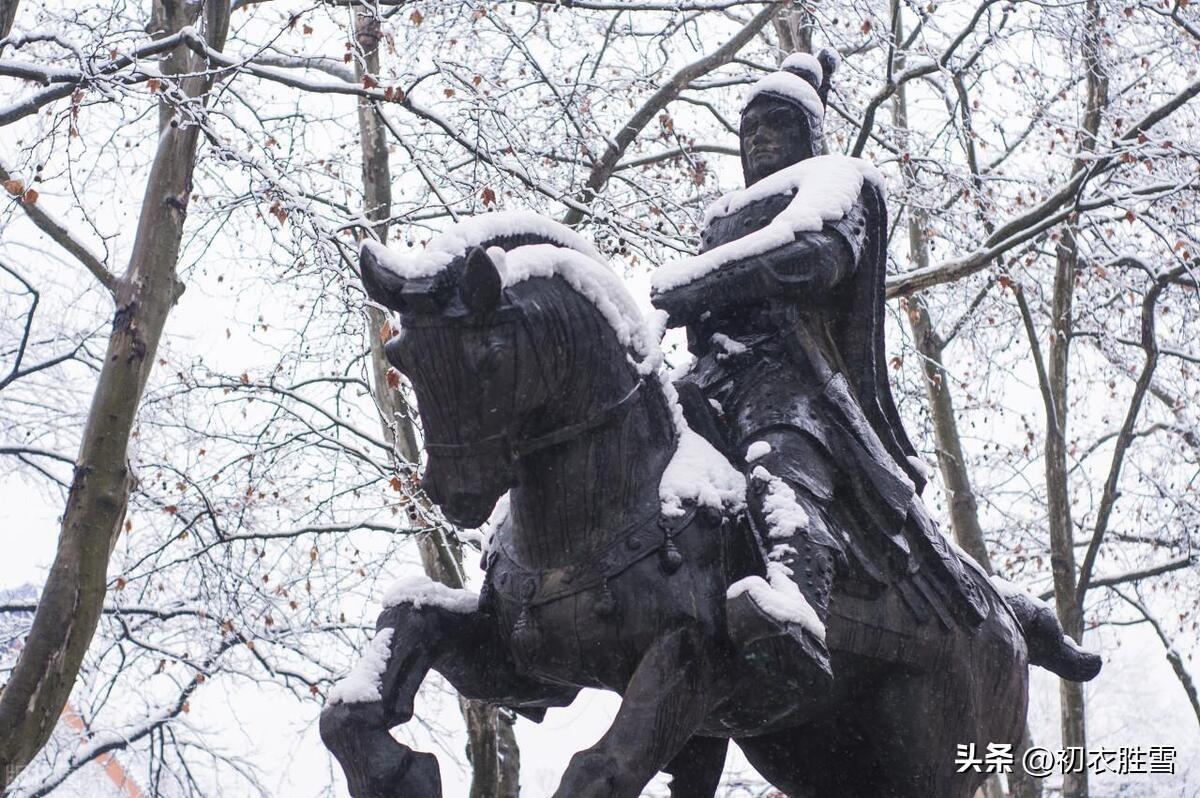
(748, 624)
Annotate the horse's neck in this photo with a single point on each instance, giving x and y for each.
(573, 498)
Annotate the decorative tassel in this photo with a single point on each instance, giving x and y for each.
(606, 603)
(525, 636)
(485, 593)
(669, 558)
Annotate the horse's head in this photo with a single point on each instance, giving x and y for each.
(491, 364)
(458, 347)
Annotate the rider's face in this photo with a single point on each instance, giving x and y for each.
(772, 137)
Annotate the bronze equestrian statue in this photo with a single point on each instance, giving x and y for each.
(743, 555)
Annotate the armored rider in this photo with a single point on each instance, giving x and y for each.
(784, 312)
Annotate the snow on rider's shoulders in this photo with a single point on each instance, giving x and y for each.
(824, 189)
(829, 184)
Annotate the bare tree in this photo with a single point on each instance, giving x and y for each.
(71, 601)
(268, 509)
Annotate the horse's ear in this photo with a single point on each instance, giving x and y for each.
(381, 283)
(480, 283)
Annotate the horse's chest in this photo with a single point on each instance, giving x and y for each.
(596, 636)
(585, 639)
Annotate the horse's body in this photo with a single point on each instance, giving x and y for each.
(590, 585)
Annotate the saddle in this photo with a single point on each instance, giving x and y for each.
(881, 609)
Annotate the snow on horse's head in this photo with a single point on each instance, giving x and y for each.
(512, 330)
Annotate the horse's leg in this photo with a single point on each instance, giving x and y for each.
(920, 719)
(899, 742)
(376, 765)
(696, 770)
(663, 704)
(916, 722)
(822, 759)
(463, 647)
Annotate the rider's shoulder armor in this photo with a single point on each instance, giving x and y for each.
(746, 220)
(852, 227)
(758, 214)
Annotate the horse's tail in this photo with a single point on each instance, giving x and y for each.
(1050, 647)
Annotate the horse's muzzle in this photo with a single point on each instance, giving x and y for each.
(467, 510)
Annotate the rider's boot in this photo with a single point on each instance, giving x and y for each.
(788, 610)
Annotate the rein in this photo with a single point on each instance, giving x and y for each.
(520, 447)
(652, 534)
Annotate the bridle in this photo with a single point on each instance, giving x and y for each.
(518, 447)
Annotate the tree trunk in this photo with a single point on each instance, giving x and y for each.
(794, 27)
(1062, 554)
(1062, 549)
(491, 743)
(8, 14)
(956, 478)
(952, 462)
(73, 596)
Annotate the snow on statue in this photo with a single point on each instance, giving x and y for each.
(764, 572)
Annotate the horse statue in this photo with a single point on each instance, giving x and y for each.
(625, 553)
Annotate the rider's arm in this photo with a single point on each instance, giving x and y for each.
(805, 269)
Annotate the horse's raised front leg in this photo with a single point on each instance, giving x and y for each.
(466, 649)
(663, 704)
(696, 770)
(355, 724)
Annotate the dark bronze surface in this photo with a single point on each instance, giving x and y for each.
(527, 390)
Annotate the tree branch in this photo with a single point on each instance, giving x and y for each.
(607, 164)
(1173, 656)
(1135, 576)
(1043, 216)
(1109, 496)
(67, 85)
(1007, 237)
(61, 235)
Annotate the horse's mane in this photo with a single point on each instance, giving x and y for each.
(595, 283)
(504, 229)
(526, 245)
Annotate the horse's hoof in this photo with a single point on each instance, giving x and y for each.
(422, 779)
(377, 766)
(413, 774)
(590, 774)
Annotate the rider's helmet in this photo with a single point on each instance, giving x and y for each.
(784, 113)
